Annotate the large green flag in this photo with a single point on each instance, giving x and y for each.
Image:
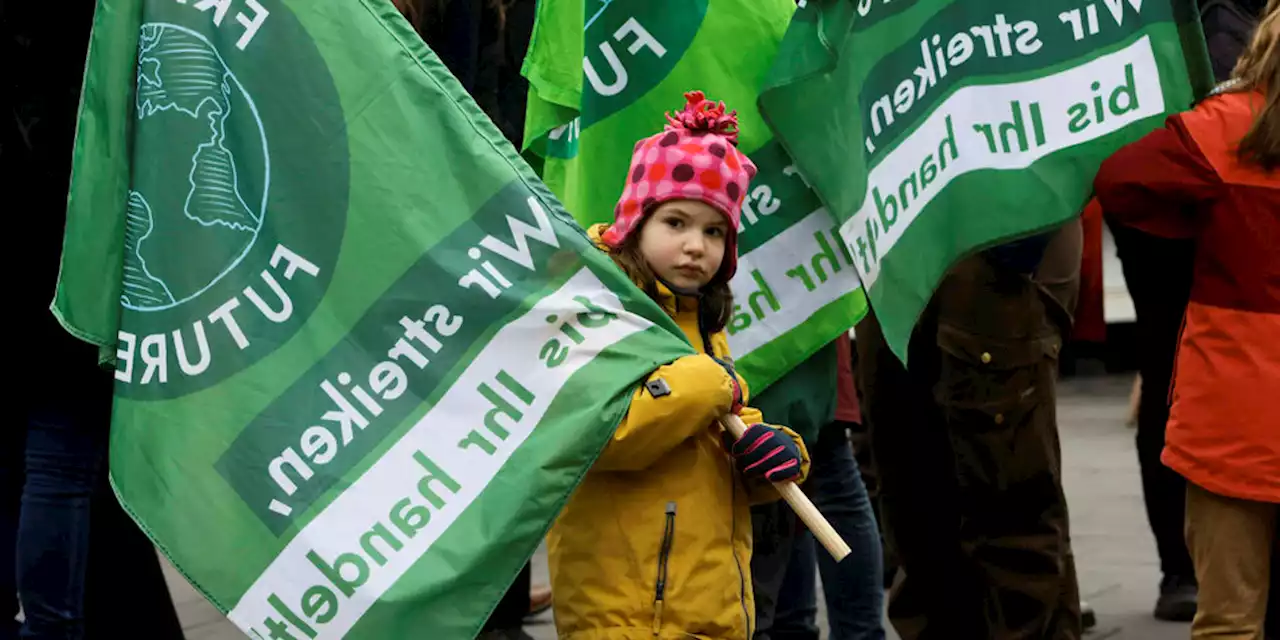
(934, 128)
(363, 355)
(603, 72)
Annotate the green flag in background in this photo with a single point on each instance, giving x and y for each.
(363, 355)
(932, 128)
(603, 72)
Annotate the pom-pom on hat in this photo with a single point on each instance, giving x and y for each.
(694, 158)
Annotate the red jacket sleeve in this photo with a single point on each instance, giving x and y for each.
(1158, 183)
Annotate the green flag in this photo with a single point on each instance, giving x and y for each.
(935, 128)
(603, 72)
(363, 355)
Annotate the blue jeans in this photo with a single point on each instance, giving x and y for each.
(13, 449)
(64, 455)
(854, 589)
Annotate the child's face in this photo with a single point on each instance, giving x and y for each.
(683, 241)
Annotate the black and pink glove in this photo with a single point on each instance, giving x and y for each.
(765, 452)
(737, 386)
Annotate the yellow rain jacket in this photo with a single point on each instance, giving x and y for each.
(656, 542)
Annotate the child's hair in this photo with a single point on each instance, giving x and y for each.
(715, 307)
(1259, 69)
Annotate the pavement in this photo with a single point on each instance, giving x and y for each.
(1115, 553)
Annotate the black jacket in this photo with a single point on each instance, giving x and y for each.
(1228, 25)
(44, 63)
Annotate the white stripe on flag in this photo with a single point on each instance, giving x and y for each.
(338, 528)
(793, 273)
(968, 149)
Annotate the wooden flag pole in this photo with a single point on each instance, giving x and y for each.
(799, 502)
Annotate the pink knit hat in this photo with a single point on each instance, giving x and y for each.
(695, 158)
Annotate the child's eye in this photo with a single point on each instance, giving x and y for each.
(715, 232)
(674, 223)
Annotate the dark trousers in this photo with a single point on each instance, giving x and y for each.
(117, 547)
(13, 449)
(79, 565)
(1158, 272)
(786, 575)
(514, 606)
(773, 535)
(860, 438)
(775, 548)
(64, 456)
(966, 445)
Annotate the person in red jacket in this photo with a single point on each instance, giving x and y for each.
(1211, 174)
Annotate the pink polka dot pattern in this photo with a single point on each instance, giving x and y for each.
(699, 161)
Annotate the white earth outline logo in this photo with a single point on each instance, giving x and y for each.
(137, 199)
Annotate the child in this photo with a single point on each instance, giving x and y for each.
(1211, 174)
(656, 542)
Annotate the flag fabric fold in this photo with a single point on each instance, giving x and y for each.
(362, 354)
(603, 73)
(934, 129)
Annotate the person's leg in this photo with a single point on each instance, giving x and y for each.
(939, 594)
(11, 480)
(1015, 524)
(1164, 495)
(796, 616)
(1231, 543)
(118, 548)
(860, 438)
(773, 532)
(1163, 490)
(1073, 616)
(511, 610)
(1000, 337)
(1158, 274)
(63, 458)
(853, 589)
(1058, 280)
(540, 598)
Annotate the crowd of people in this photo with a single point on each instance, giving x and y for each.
(944, 478)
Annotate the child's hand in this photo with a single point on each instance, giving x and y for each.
(737, 387)
(765, 452)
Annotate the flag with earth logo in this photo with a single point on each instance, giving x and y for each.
(362, 355)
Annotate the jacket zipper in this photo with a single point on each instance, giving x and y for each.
(664, 556)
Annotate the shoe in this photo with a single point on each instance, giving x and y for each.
(539, 599)
(1088, 619)
(1177, 601)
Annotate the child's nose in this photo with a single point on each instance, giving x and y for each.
(694, 245)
